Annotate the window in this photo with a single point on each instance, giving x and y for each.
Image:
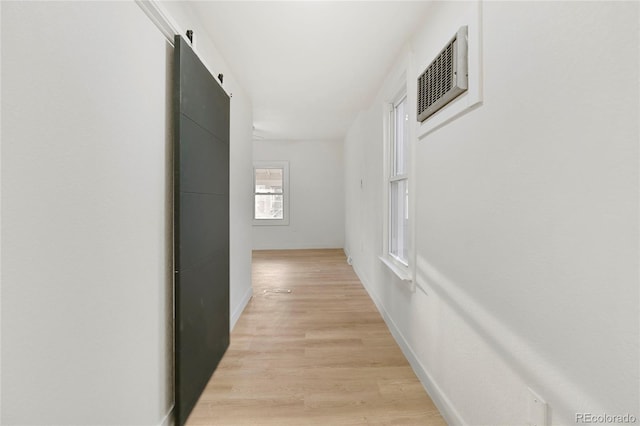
(398, 187)
(271, 193)
(397, 243)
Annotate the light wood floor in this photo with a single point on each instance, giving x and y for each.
(320, 355)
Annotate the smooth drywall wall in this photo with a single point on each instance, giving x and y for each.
(316, 195)
(241, 165)
(86, 215)
(526, 218)
(86, 184)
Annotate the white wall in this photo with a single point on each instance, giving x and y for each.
(526, 217)
(316, 195)
(86, 211)
(86, 174)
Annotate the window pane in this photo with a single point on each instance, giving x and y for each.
(400, 137)
(399, 215)
(268, 207)
(269, 181)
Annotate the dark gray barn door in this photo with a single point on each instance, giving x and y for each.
(201, 197)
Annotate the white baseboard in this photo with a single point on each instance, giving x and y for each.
(168, 420)
(240, 308)
(444, 404)
(446, 408)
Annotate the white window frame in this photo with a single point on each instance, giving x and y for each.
(401, 268)
(284, 165)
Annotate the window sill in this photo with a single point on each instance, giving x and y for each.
(401, 271)
(270, 222)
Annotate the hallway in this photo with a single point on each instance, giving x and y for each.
(320, 354)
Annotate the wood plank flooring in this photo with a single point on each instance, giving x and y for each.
(319, 355)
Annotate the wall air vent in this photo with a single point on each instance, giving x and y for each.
(445, 77)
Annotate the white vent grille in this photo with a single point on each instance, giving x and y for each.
(445, 77)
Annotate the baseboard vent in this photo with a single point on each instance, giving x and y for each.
(445, 78)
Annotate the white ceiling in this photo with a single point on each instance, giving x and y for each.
(309, 67)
